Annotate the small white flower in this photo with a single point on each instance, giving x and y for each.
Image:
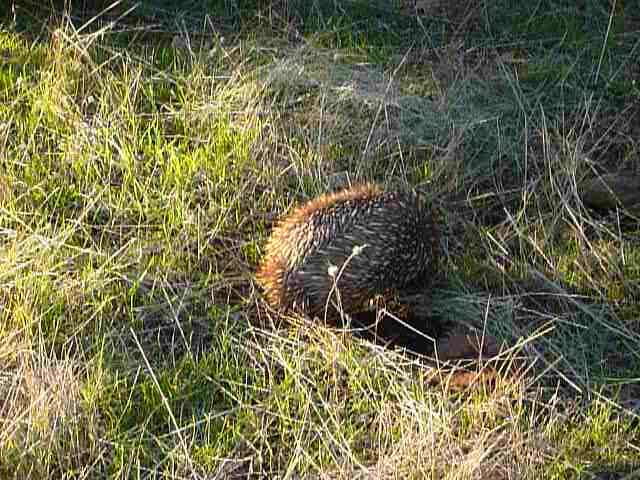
(332, 271)
(357, 249)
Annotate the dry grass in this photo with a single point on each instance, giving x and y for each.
(140, 176)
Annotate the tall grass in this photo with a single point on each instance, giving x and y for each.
(140, 171)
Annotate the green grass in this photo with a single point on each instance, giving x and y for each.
(139, 178)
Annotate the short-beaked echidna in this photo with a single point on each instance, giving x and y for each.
(314, 262)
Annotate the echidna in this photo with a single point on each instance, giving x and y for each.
(343, 249)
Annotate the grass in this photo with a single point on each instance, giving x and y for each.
(143, 161)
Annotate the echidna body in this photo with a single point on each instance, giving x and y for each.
(310, 260)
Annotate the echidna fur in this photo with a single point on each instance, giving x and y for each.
(397, 233)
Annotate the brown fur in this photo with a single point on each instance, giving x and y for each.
(274, 266)
(293, 271)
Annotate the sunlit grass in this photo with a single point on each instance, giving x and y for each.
(139, 178)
